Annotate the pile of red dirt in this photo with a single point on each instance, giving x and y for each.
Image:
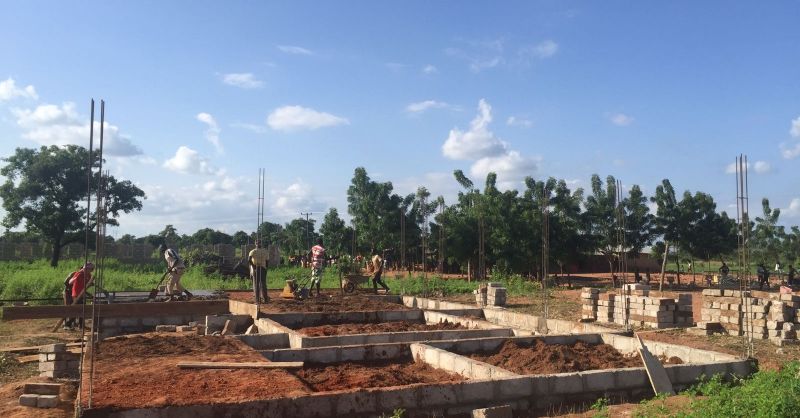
(325, 303)
(541, 358)
(372, 374)
(141, 371)
(371, 328)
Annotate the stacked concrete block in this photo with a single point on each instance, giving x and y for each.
(496, 295)
(774, 317)
(636, 304)
(589, 299)
(480, 296)
(40, 395)
(56, 362)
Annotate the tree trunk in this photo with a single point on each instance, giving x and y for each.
(611, 269)
(56, 253)
(663, 266)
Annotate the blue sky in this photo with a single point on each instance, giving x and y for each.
(201, 94)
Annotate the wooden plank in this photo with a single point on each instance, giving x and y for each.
(35, 357)
(32, 348)
(655, 371)
(124, 310)
(246, 365)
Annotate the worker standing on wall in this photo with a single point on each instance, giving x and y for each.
(176, 268)
(317, 267)
(258, 258)
(377, 270)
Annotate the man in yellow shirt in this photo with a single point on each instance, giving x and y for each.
(258, 258)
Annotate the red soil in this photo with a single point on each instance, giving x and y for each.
(372, 375)
(370, 328)
(541, 358)
(141, 371)
(326, 303)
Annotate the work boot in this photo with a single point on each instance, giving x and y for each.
(189, 296)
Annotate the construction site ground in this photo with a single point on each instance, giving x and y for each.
(370, 328)
(330, 301)
(142, 369)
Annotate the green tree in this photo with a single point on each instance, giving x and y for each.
(767, 235)
(705, 234)
(667, 220)
(45, 189)
(299, 236)
(601, 218)
(639, 222)
(334, 232)
(374, 210)
(239, 238)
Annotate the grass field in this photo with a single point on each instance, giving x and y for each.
(37, 280)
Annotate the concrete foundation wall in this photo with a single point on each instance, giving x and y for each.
(110, 327)
(265, 341)
(310, 319)
(435, 317)
(340, 354)
(465, 366)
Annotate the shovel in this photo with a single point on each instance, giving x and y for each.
(154, 292)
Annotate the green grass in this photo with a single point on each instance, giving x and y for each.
(34, 280)
(764, 394)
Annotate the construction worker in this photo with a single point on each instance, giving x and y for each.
(723, 271)
(175, 268)
(763, 276)
(377, 269)
(79, 282)
(317, 267)
(258, 258)
(790, 275)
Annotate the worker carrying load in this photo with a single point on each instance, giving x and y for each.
(317, 267)
(175, 269)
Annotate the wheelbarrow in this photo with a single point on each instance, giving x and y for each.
(351, 281)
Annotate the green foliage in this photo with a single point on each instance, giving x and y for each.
(45, 188)
(334, 232)
(765, 394)
(600, 408)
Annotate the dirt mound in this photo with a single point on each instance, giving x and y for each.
(373, 374)
(158, 345)
(371, 328)
(541, 358)
(325, 303)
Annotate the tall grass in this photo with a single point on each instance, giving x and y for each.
(37, 280)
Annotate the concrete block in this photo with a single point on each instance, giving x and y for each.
(348, 404)
(166, 328)
(630, 378)
(462, 366)
(515, 387)
(473, 392)
(428, 396)
(29, 399)
(42, 388)
(493, 412)
(47, 401)
(184, 328)
(598, 380)
(566, 383)
(53, 348)
(322, 355)
(52, 366)
(389, 400)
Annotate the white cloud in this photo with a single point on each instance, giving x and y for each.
(795, 129)
(295, 198)
(9, 90)
(62, 125)
(510, 168)
(478, 60)
(760, 167)
(189, 161)
(243, 80)
(296, 50)
(478, 141)
(621, 119)
(430, 69)
(252, 127)
(544, 49)
(420, 107)
(793, 211)
(212, 130)
(293, 118)
(790, 152)
(519, 121)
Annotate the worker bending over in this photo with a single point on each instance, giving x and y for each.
(78, 283)
(258, 258)
(175, 269)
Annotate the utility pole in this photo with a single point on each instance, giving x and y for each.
(307, 214)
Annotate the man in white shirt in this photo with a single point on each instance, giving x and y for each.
(176, 268)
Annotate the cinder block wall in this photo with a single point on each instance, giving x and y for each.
(773, 316)
(640, 308)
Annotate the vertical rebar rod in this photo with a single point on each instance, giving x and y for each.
(545, 253)
(86, 244)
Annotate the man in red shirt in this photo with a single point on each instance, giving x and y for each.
(79, 282)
